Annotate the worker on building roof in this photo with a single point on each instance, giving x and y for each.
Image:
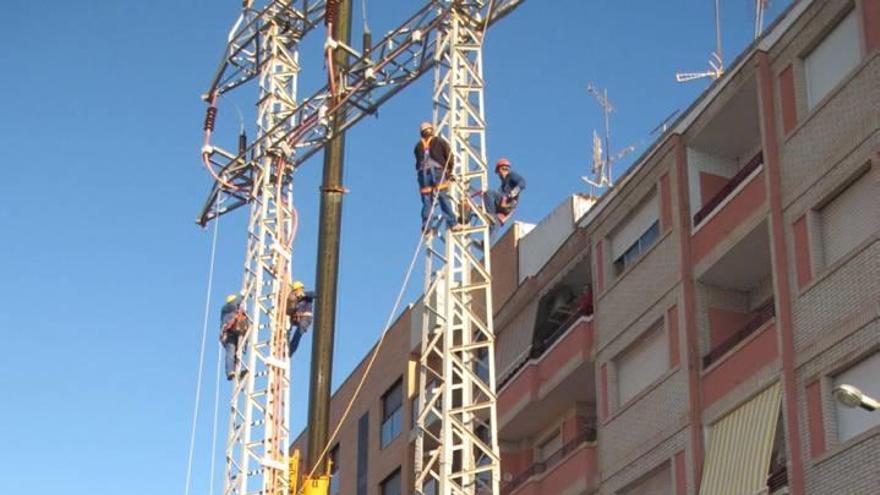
(299, 309)
(434, 171)
(501, 203)
(233, 324)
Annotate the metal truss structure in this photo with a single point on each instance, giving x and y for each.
(457, 442)
(373, 76)
(457, 445)
(263, 46)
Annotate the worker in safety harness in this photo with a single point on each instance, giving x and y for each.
(233, 324)
(500, 204)
(434, 171)
(299, 309)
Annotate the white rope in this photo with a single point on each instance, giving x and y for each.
(195, 419)
(214, 427)
(387, 327)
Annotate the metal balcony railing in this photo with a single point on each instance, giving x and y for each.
(728, 188)
(759, 317)
(586, 436)
(777, 479)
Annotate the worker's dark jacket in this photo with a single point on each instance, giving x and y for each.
(231, 325)
(300, 310)
(438, 152)
(512, 185)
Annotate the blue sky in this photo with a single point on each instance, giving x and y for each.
(104, 271)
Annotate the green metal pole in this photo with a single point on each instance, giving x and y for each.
(339, 14)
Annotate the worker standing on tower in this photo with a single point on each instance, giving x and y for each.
(434, 171)
(500, 204)
(299, 307)
(233, 324)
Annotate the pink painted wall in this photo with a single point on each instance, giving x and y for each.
(723, 323)
(802, 251)
(815, 419)
(739, 366)
(710, 184)
(732, 214)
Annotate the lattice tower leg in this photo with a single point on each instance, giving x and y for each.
(457, 446)
(256, 449)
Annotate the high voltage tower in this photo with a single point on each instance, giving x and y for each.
(457, 447)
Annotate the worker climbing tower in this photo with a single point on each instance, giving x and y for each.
(457, 447)
(457, 442)
(261, 46)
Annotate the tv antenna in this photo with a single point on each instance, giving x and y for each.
(716, 60)
(603, 159)
(760, 7)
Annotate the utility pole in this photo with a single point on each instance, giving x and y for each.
(338, 20)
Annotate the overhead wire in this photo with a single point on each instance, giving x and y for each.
(195, 419)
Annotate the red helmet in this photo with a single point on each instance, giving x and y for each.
(504, 162)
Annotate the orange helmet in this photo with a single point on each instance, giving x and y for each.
(504, 162)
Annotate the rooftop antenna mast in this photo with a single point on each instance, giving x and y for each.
(600, 174)
(716, 60)
(760, 7)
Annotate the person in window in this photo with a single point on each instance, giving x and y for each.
(585, 302)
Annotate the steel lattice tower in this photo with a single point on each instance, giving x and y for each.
(457, 446)
(257, 444)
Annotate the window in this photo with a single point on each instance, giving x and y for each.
(363, 449)
(850, 217)
(832, 59)
(551, 445)
(642, 364)
(657, 483)
(635, 235)
(392, 412)
(863, 375)
(391, 484)
(334, 470)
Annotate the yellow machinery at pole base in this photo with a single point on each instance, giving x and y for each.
(319, 485)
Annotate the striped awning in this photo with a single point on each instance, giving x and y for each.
(740, 446)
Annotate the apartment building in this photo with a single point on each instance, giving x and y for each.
(683, 334)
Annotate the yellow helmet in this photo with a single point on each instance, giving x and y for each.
(297, 285)
(231, 297)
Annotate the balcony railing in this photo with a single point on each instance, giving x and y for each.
(585, 436)
(777, 479)
(761, 316)
(728, 188)
(538, 349)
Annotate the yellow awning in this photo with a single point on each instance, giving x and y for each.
(740, 446)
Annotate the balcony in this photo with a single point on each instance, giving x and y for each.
(575, 463)
(558, 376)
(757, 320)
(729, 187)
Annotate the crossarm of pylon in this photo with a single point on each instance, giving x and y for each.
(401, 58)
(236, 69)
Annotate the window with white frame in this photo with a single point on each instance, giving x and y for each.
(832, 59)
(864, 375)
(658, 482)
(392, 412)
(850, 217)
(642, 363)
(633, 237)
